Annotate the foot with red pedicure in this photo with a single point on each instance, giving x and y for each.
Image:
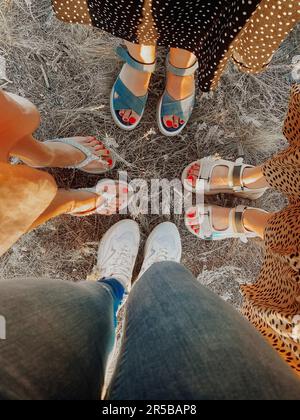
(179, 87)
(65, 155)
(252, 177)
(253, 220)
(136, 81)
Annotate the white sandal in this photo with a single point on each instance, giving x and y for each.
(109, 205)
(235, 178)
(207, 231)
(90, 157)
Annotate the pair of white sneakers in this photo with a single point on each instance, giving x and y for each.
(120, 246)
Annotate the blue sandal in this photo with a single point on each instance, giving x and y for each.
(169, 106)
(123, 98)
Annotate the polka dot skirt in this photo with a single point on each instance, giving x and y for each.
(250, 30)
(206, 28)
(272, 304)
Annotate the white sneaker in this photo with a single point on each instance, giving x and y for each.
(163, 244)
(118, 251)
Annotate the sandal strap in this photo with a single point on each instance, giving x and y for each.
(143, 67)
(206, 226)
(206, 168)
(236, 220)
(235, 177)
(182, 108)
(90, 157)
(236, 228)
(235, 174)
(182, 71)
(127, 100)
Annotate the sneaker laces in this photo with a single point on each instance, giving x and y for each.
(120, 262)
(162, 255)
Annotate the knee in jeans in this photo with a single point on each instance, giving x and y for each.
(162, 273)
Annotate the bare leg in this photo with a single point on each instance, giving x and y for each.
(179, 87)
(256, 221)
(33, 152)
(20, 118)
(254, 178)
(66, 202)
(58, 155)
(136, 81)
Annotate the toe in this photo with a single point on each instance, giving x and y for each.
(194, 172)
(94, 143)
(176, 122)
(192, 218)
(196, 229)
(88, 139)
(168, 121)
(191, 179)
(133, 118)
(127, 115)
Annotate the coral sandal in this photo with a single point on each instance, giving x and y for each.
(181, 108)
(235, 178)
(202, 216)
(116, 195)
(123, 98)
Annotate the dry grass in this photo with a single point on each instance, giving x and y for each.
(81, 66)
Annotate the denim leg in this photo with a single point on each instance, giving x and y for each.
(117, 291)
(59, 336)
(182, 342)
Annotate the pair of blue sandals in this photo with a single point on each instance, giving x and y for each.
(123, 98)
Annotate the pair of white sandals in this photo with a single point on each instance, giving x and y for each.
(202, 215)
(113, 196)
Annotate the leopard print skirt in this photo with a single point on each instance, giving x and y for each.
(272, 304)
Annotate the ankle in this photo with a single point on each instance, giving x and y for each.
(142, 53)
(181, 58)
(254, 178)
(255, 220)
(49, 157)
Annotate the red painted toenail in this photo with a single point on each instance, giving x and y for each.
(182, 122)
(110, 162)
(191, 215)
(190, 179)
(175, 125)
(132, 120)
(169, 123)
(125, 119)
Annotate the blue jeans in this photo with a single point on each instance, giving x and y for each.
(181, 342)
